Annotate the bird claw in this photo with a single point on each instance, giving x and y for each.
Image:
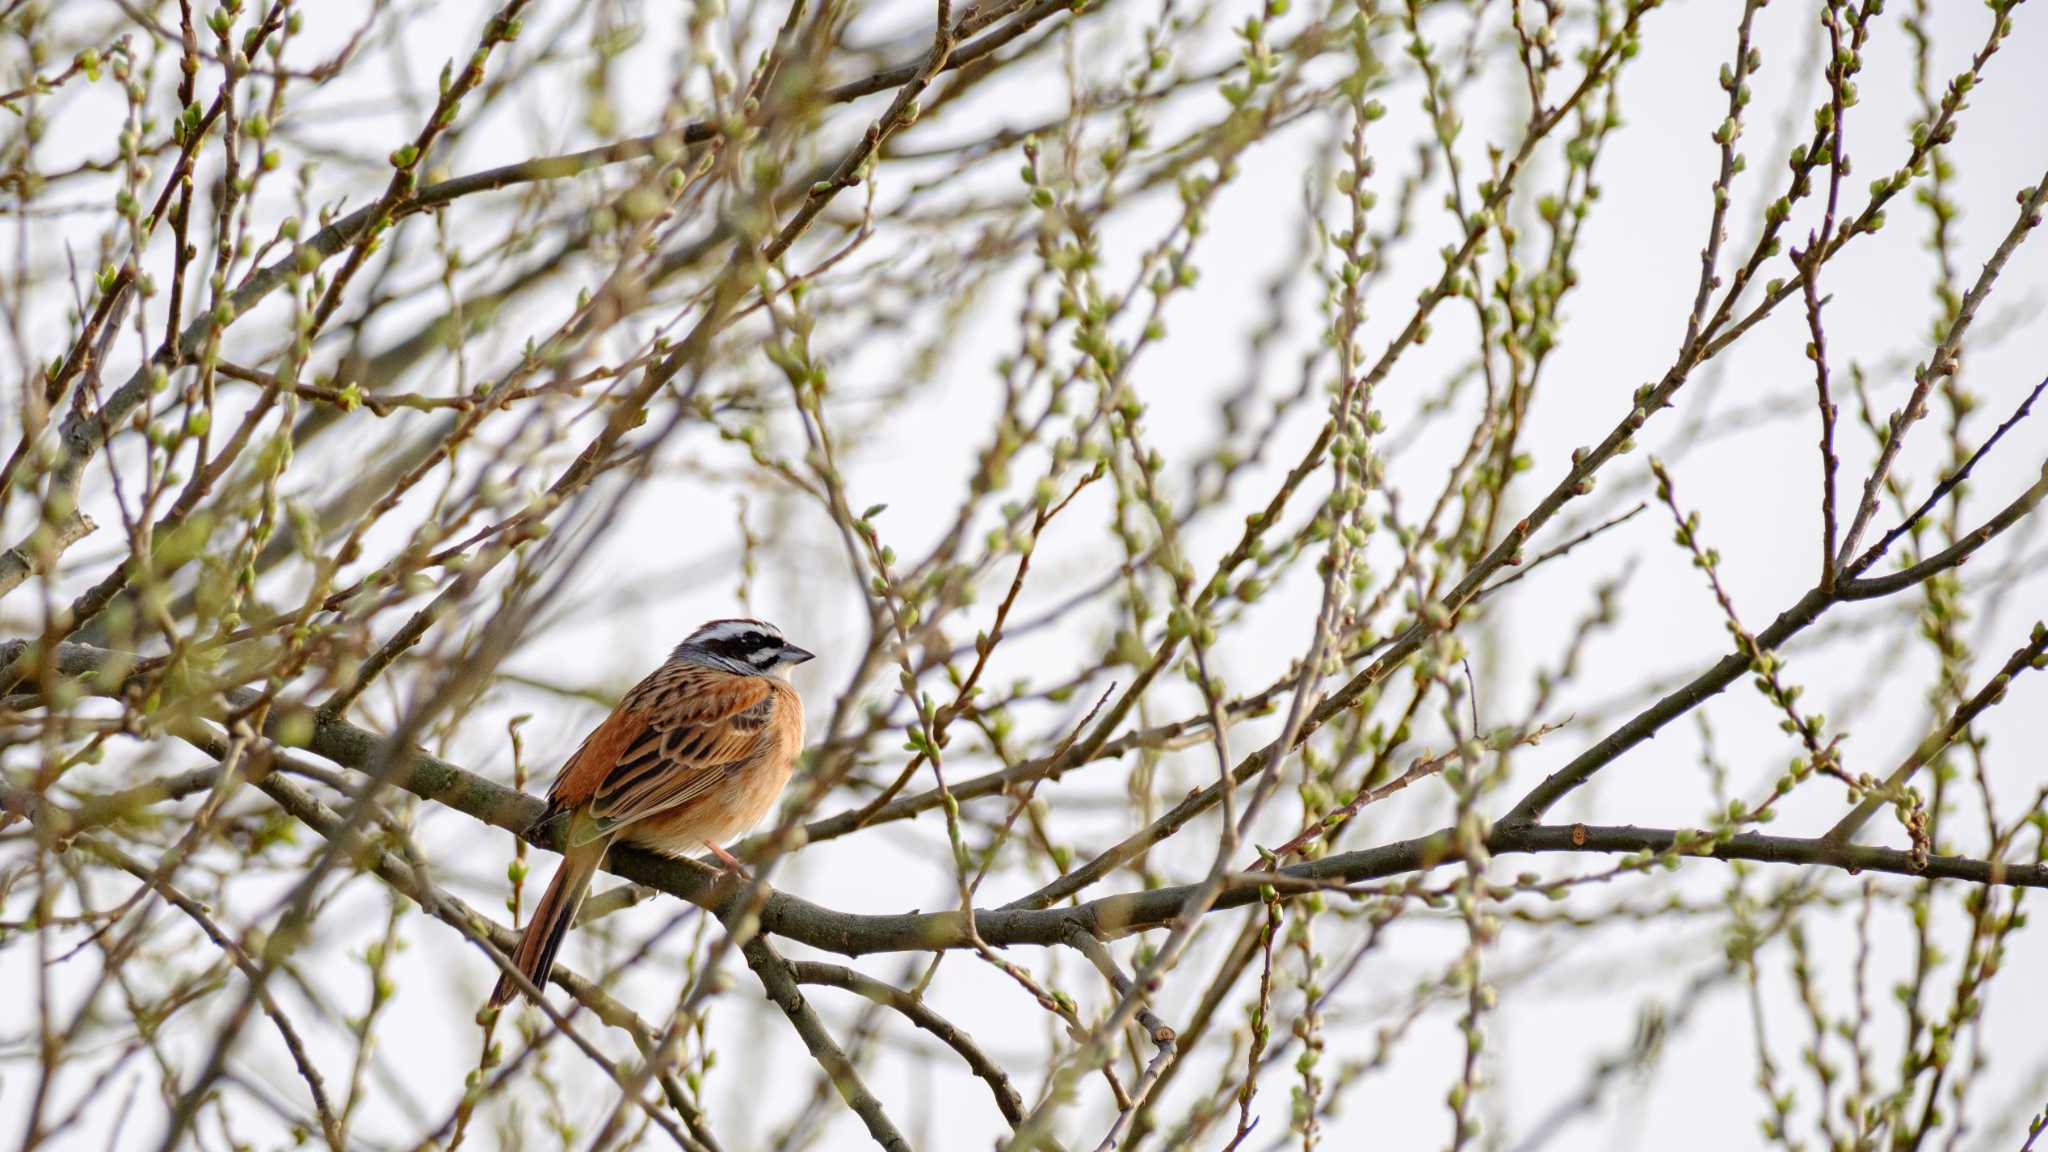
(728, 865)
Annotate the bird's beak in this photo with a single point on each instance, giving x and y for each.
(791, 654)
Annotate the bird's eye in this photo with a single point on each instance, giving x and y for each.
(755, 639)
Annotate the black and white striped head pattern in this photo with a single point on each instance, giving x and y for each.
(747, 647)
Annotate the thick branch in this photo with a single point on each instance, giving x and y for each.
(1109, 917)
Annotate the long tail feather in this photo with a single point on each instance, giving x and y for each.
(552, 917)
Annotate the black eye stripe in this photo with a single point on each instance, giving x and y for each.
(752, 648)
(743, 646)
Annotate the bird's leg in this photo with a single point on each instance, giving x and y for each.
(732, 866)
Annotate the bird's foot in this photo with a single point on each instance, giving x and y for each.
(728, 864)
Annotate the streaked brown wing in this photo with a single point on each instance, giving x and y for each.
(673, 738)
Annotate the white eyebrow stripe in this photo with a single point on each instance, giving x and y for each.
(733, 630)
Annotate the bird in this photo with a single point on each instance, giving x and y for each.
(695, 755)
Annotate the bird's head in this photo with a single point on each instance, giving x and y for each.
(748, 647)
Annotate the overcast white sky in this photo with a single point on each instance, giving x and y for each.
(1754, 491)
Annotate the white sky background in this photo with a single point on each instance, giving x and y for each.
(1756, 493)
